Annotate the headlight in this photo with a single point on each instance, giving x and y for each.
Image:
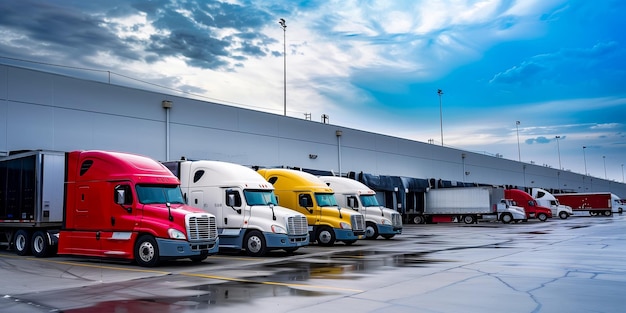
(176, 234)
(278, 229)
(385, 221)
(344, 225)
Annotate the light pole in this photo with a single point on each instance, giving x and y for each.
(519, 153)
(283, 25)
(440, 93)
(622, 173)
(604, 160)
(585, 159)
(558, 150)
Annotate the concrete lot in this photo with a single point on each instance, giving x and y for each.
(573, 265)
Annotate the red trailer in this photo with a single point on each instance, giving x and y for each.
(596, 203)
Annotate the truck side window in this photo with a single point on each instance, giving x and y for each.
(123, 195)
(233, 198)
(85, 167)
(197, 175)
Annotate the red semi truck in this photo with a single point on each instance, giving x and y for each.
(99, 204)
(596, 203)
(525, 200)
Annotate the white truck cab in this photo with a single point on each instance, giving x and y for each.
(379, 221)
(247, 213)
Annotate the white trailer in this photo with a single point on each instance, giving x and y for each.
(379, 221)
(468, 204)
(248, 215)
(545, 198)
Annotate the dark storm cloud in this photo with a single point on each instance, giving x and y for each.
(193, 30)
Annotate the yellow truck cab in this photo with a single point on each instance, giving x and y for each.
(309, 195)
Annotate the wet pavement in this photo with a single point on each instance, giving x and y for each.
(573, 265)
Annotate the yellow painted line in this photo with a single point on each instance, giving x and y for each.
(88, 265)
(269, 282)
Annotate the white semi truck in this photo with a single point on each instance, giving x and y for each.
(247, 213)
(545, 198)
(379, 221)
(468, 204)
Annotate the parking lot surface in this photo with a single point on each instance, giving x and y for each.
(573, 265)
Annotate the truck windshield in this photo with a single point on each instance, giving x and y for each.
(369, 200)
(325, 199)
(150, 194)
(260, 197)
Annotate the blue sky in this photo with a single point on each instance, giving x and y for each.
(557, 67)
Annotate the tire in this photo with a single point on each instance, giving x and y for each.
(388, 236)
(371, 231)
(146, 251)
(418, 219)
(21, 242)
(607, 213)
(506, 218)
(542, 217)
(563, 215)
(40, 246)
(325, 236)
(291, 250)
(469, 219)
(254, 243)
(199, 258)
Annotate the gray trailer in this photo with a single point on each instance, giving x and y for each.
(468, 204)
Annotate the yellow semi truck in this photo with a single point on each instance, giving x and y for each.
(309, 195)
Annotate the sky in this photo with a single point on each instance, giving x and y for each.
(541, 81)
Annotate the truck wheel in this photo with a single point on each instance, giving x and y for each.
(146, 251)
(418, 219)
(21, 242)
(542, 217)
(371, 231)
(468, 219)
(199, 258)
(40, 246)
(506, 218)
(325, 236)
(255, 243)
(563, 215)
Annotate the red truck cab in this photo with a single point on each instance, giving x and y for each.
(525, 200)
(126, 206)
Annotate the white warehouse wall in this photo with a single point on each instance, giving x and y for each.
(40, 110)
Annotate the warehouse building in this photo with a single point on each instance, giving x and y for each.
(42, 110)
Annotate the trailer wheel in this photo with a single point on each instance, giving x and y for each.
(325, 236)
(255, 243)
(563, 215)
(40, 245)
(607, 213)
(371, 231)
(146, 251)
(506, 218)
(469, 219)
(542, 217)
(418, 219)
(21, 242)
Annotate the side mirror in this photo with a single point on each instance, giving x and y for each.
(230, 199)
(120, 196)
(303, 200)
(352, 203)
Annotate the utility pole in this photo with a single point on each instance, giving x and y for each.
(283, 25)
(440, 93)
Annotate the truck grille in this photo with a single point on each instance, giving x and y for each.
(396, 219)
(201, 227)
(358, 222)
(297, 225)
